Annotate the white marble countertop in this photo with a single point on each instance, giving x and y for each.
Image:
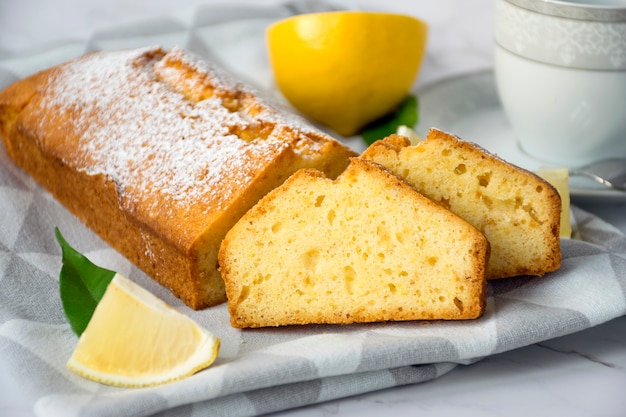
(583, 374)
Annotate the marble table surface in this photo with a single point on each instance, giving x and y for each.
(582, 374)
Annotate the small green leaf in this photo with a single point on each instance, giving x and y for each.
(406, 114)
(82, 285)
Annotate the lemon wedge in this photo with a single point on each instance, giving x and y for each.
(135, 339)
(559, 178)
(345, 69)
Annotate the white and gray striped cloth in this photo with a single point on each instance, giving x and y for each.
(263, 370)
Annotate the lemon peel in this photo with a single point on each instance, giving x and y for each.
(345, 69)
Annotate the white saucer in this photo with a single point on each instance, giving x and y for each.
(468, 106)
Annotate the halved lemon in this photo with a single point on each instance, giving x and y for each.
(345, 69)
(134, 339)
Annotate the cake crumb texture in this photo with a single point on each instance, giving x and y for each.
(518, 211)
(365, 247)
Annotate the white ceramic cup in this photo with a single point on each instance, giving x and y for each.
(560, 70)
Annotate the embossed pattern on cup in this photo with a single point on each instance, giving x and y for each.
(569, 36)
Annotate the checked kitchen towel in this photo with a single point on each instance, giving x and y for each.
(262, 370)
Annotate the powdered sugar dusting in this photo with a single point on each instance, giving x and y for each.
(224, 80)
(155, 144)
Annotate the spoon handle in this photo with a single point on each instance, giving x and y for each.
(616, 183)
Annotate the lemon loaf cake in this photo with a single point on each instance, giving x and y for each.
(159, 153)
(518, 211)
(365, 247)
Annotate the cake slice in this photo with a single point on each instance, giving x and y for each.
(365, 247)
(159, 153)
(518, 211)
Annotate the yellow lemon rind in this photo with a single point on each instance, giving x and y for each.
(344, 69)
(147, 381)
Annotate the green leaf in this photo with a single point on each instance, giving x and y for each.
(406, 114)
(82, 285)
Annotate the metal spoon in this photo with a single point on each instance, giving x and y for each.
(609, 172)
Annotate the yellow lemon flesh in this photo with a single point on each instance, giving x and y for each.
(135, 340)
(559, 178)
(346, 69)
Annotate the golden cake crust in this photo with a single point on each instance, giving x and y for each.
(159, 153)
